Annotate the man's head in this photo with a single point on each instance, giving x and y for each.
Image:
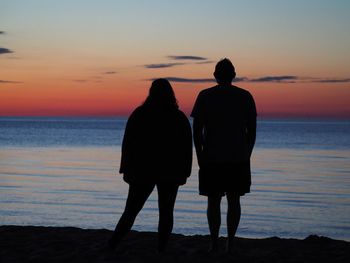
(224, 71)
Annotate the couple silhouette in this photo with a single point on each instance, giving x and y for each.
(157, 152)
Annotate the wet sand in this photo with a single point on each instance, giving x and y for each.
(68, 244)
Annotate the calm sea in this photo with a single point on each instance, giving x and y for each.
(64, 172)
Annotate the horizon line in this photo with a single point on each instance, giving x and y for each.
(261, 116)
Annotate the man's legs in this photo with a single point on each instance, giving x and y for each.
(137, 196)
(166, 201)
(233, 217)
(214, 219)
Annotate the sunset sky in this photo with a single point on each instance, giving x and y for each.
(97, 58)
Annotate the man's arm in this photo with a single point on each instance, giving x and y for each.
(251, 134)
(198, 138)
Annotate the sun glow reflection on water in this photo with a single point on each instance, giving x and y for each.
(295, 192)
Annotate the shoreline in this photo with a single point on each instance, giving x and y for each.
(71, 244)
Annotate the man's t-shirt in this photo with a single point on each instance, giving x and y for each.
(225, 112)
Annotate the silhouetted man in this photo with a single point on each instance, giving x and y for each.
(224, 129)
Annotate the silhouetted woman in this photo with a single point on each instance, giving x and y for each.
(156, 151)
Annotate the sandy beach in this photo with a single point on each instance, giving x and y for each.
(68, 244)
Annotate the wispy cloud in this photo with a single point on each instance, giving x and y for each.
(5, 50)
(189, 80)
(162, 65)
(80, 80)
(285, 79)
(95, 80)
(240, 79)
(110, 72)
(271, 79)
(186, 60)
(187, 57)
(197, 80)
(296, 79)
(331, 80)
(205, 62)
(9, 82)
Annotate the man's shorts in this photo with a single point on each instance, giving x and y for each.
(221, 178)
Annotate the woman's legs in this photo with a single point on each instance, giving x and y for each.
(233, 217)
(166, 201)
(137, 196)
(214, 219)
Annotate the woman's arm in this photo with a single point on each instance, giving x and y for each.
(127, 145)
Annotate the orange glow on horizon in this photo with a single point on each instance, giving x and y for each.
(120, 98)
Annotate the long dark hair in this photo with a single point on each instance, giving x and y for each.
(161, 94)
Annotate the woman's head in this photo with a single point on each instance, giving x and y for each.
(224, 71)
(161, 94)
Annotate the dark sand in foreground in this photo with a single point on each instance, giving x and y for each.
(67, 244)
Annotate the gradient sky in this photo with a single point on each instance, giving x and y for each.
(94, 58)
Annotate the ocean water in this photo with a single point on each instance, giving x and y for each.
(64, 172)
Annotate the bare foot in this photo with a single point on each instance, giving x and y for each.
(230, 247)
(214, 248)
